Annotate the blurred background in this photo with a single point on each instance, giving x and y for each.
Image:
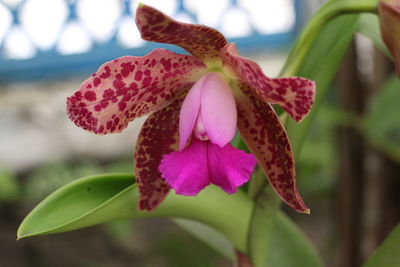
(348, 172)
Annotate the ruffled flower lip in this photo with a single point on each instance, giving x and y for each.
(202, 162)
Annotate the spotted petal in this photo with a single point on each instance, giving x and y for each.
(265, 136)
(201, 41)
(129, 87)
(295, 94)
(158, 136)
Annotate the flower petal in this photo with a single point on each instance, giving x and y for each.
(295, 94)
(186, 171)
(218, 109)
(158, 136)
(229, 167)
(201, 41)
(129, 87)
(189, 112)
(266, 138)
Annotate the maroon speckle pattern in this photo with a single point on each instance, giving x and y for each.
(158, 136)
(263, 133)
(129, 87)
(294, 94)
(201, 41)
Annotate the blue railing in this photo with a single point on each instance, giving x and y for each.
(68, 44)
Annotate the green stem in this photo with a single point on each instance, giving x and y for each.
(263, 216)
(329, 11)
(257, 183)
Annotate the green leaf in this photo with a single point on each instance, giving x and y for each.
(329, 11)
(72, 206)
(98, 199)
(369, 27)
(387, 254)
(321, 64)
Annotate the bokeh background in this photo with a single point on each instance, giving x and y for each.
(348, 172)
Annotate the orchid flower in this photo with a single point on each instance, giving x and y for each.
(197, 102)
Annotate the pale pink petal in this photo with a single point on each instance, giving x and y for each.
(218, 109)
(158, 136)
(295, 94)
(186, 171)
(189, 112)
(201, 41)
(129, 87)
(266, 138)
(229, 167)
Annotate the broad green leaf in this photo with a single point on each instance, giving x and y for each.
(387, 254)
(321, 64)
(369, 27)
(66, 208)
(98, 199)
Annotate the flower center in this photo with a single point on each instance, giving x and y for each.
(199, 129)
(208, 111)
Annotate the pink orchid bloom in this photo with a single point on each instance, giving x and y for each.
(197, 101)
(389, 18)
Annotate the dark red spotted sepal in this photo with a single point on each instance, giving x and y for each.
(264, 135)
(294, 94)
(158, 136)
(201, 41)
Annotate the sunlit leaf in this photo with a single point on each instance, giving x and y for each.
(98, 199)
